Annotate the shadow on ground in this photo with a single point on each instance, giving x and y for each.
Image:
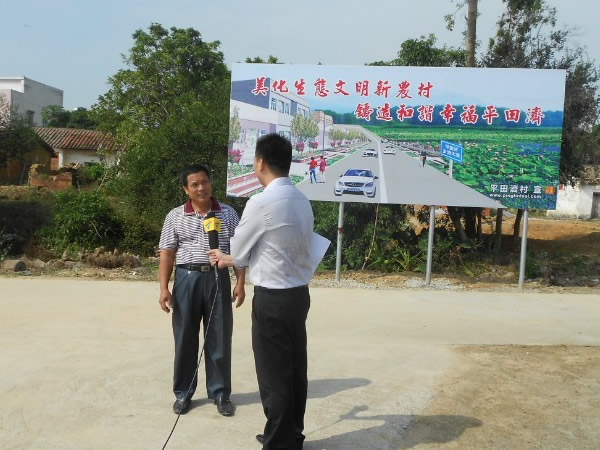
(316, 389)
(398, 431)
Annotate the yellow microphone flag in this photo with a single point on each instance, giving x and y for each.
(212, 224)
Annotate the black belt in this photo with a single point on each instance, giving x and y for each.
(196, 267)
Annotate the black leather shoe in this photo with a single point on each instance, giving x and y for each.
(224, 406)
(260, 438)
(181, 405)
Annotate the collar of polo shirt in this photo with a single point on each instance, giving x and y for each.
(188, 209)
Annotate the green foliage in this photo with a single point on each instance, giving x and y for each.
(423, 52)
(496, 156)
(16, 136)
(140, 235)
(393, 237)
(81, 221)
(57, 116)
(90, 173)
(532, 269)
(170, 108)
(235, 128)
(258, 60)
(303, 128)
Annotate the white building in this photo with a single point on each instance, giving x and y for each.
(259, 115)
(582, 200)
(28, 97)
(74, 146)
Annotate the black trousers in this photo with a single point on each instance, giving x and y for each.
(279, 344)
(193, 293)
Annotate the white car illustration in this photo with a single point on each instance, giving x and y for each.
(356, 181)
(370, 152)
(389, 150)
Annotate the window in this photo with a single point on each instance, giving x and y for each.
(30, 115)
(274, 104)
(280, 106)
(287, 108)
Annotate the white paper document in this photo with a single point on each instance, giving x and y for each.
(318, 247)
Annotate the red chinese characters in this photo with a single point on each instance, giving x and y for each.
(260, 87)
(534, 115)
(299, 85)
(362, 88)
(280, 86)
(340, 88)
(404, 113)
(426, 113)
(363, 111)
(382, 88)
(469, 115)
(320, 89)
(490, 114)
(424, 90)
(383, 112)
(403, 90)
(447, 113)
(512, 115)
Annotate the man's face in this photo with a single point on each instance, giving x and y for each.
(199, 187)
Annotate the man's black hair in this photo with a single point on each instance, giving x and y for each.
(194, 168)
(276, 152)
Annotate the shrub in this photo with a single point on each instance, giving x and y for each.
(81, 221)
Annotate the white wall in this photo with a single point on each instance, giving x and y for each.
(575, 201)
(67, 157)
(30, 95)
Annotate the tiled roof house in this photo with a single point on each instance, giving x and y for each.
(76, 146)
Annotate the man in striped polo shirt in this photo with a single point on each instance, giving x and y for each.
(184, 243)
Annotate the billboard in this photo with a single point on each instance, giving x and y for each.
(373, 134)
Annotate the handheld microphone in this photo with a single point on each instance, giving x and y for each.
(212, 226)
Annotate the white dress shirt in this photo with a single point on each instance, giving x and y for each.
(274, 237)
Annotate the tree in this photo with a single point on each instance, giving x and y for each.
(16, 136)
(169, 107)
(258, 60)
(423, 52)
(235, 128)
(303, 128)
(57, 116)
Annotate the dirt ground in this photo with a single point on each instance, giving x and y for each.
(524, 397)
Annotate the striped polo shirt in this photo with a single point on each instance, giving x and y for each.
(183, 230)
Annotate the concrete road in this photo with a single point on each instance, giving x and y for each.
(88, 364)
(401, 180)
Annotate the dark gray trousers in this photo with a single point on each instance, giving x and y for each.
(279, 344)
(193, 293)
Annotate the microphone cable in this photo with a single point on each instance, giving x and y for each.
(201, 352)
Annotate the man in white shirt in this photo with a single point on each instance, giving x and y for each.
(273, 239)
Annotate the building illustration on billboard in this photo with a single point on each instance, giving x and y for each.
(374, 134)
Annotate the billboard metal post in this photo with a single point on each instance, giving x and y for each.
(523, 250)
(430, 244)
(338, 257)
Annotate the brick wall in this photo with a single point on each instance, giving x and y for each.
(53, 181)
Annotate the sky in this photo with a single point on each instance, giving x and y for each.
(77, 45)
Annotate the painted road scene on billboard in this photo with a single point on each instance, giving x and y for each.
(392, 134)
